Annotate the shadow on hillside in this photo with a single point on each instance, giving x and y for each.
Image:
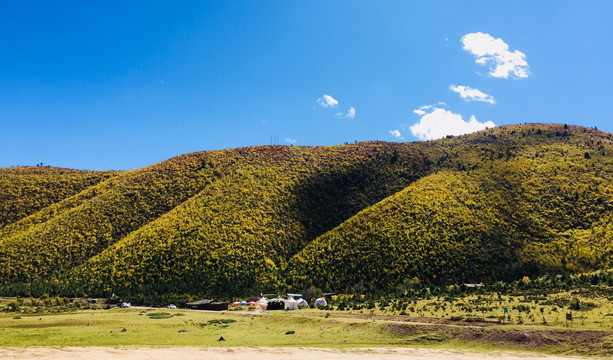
(327, 199)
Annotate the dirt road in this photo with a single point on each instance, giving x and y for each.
(233, 353)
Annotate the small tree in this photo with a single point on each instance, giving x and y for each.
(358, 289)
(311, 294)
(575, 305)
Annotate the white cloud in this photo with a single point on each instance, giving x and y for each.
(327, 101)
(488, 50)
(349, 115)
(469, 94)
(422, 109)
(291, 141)
(396, 134)
(439, 123)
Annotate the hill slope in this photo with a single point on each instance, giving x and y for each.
(214, 218)
(546, 208)
(26, 190)
(509, 201)
(449, 227)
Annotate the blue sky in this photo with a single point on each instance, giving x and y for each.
(122, 85)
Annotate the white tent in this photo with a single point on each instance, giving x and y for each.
(302, 303)
(291, 304)
(321, 302)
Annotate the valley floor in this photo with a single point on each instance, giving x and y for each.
(147, 333)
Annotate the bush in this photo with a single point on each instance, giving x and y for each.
(159, 315)
(575, 305)
(12, 306)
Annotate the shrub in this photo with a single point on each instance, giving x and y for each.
(12, 306)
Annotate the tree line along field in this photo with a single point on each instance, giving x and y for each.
(545, 301)
(497, 205)
(545, 311)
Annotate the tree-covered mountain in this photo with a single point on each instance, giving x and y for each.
(493, 205)
(26, 190)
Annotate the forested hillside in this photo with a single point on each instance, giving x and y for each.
(496, 214)
(25, 190)
(493, 205)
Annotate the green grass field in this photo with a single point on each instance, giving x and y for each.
(426, 323)
(309, 328)
(104, 328)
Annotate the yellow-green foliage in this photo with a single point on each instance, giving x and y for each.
(236, 235)
(509, 201)
(547, 208)
(222, 222)
(25, 190)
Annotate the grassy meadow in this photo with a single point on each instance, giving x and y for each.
(593, 312)
(186, 328)
(534, 323)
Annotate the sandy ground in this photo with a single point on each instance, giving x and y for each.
(230, 353)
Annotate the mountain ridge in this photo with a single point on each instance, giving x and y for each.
(239, 221)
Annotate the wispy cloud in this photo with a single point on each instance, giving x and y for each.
(349, 115)
(488, 50)
(438, 123)
(422, 109)
(290, 141)
(327, 101)
(469, 94)
(396, 134)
